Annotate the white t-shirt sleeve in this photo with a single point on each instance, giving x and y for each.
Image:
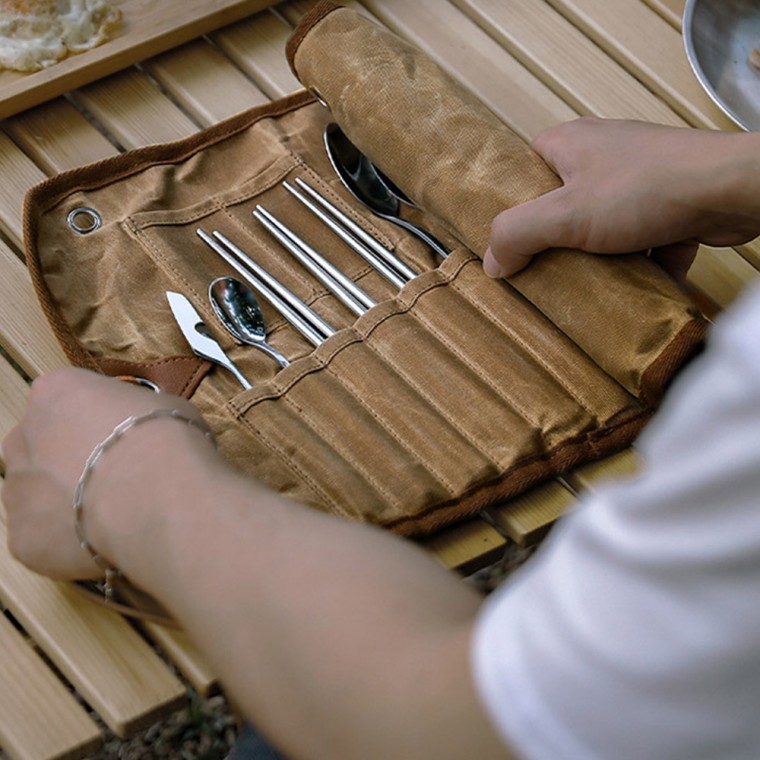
(634, 633)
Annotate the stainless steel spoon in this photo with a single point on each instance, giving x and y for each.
(394, 188)
(360, 176)
(239, 311)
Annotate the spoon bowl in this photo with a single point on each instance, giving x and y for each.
(361, 178)
(394, 188)
(239, 311)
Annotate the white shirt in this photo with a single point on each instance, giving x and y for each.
(635, 630)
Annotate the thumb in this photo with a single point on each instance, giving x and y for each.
(519, 233)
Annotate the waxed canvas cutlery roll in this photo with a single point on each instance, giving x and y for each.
(448, 395)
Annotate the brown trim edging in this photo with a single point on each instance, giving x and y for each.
(305, 25)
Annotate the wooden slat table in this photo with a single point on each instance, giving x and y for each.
(535, 63)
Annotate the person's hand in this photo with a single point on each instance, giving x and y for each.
(69, 412)
(632, 186)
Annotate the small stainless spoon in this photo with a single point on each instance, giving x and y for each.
(239, 311)
(360, 176)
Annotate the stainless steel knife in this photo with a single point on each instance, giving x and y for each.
(196, 333)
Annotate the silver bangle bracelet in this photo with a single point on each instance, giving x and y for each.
(112, 573)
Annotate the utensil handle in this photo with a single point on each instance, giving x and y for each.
(346, 291)
(273, 352)
(381, 258)
(421, 233)
(294, 302)
(241, 378)
(306, 328)
(196, 334)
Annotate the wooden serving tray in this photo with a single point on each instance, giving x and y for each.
(147, 28)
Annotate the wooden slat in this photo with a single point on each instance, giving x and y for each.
(466, 547)
(751, 252)
(186, 656)
(24, 331)
(134, 110)
(590, 476)
(573, 66)
(512, 92)
(257, 45)
(216, 90)
(69, 141)
(642, 41)
(12, 398)
(527, 518)
(58, 137)
(109, 664)
(19, 173)
(41, 720)
(137, 113)
(292, 10)
(721, 274)
(670, 10)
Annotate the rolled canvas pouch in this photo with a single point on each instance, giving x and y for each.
(459, 162)
(455, 392)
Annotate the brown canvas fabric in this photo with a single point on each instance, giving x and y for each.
(452, 394)
(446, 150)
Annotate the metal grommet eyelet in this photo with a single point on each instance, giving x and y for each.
(84, 220)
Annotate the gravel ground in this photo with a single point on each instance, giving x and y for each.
(205, 730)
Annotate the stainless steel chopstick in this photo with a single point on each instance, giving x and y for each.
(390, 273)
(295, 311)
(389, 265)
(342, 287)
(306, 312)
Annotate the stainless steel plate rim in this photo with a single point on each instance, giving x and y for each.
(718, 36)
